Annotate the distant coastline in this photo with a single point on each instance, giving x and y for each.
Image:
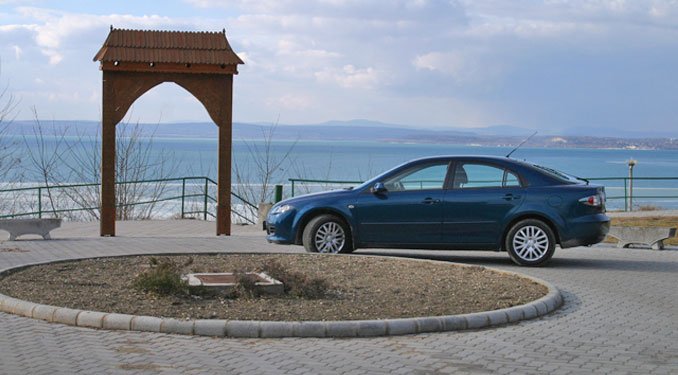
(363, 130)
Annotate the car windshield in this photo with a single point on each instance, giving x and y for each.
(560, 175)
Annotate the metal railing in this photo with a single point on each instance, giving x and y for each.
(638, 189)
(643, 190)
(192, 199)
(195, 196)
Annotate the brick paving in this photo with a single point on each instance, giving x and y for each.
(620, 317)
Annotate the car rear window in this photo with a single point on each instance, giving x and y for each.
(558, 174)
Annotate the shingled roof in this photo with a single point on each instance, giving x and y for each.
(178, 47)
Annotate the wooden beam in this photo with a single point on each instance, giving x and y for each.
(123, 66)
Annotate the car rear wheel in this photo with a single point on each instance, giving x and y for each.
(327, 234)
(530, 242)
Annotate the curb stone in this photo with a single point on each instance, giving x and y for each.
(274, 329)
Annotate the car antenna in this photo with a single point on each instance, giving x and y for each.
(522, 143)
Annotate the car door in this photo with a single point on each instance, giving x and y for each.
(475, 208)
(408, 211)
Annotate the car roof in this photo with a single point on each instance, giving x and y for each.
(489, 158)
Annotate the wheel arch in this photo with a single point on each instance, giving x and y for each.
(525, 216)
(308, 216)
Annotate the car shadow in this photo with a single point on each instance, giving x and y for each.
(442, 256)
(615, 264)
(501, 259)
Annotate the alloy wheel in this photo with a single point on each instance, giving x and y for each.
(329, 238)
(530, 243)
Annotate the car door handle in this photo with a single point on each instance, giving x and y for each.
(510, 197)
(430, 201)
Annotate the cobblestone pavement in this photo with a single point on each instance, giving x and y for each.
(620, 316)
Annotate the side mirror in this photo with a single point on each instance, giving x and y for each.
(378, 188)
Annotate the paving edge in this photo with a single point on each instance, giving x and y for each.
(277, 329)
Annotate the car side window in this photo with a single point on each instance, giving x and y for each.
(470, 175)
(431, 176)
(511, 180)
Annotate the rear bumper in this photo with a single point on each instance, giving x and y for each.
(585, 231)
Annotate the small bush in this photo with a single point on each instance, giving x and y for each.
(298, 284)
(245, 285)
(164, 279)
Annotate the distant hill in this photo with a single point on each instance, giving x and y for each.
(365, 130)
(332, 130)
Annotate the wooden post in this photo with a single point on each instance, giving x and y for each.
(108, 122)
(225, 145)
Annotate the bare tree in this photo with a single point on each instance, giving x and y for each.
(136, 161)
(8, 158)
(57, 158)
(45, 156)
(256, 178)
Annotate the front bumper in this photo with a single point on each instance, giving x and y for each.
(279, 228)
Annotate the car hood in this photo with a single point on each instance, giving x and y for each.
(301, 199)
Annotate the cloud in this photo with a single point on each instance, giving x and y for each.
(457, 61)
(350, 77)
(450, 63)
(53, 30)
(17, 52)
(290, 102)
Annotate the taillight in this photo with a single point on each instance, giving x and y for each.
(593, 200)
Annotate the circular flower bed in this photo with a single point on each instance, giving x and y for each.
(343, 287)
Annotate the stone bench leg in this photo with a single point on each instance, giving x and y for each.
(622, 244)
(659, 245)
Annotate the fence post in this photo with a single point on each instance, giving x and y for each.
(631, 163)
(39, 203)
(626, 194)
(278, 193)
(206, 195)
(183, 194)
(292, 181)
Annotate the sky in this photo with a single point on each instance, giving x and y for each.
(548, 65)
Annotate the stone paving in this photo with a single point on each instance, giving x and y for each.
(620, 316)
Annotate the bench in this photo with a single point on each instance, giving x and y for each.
(19, 227)
(652, 237)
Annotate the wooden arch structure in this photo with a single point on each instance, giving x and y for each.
(135, 61)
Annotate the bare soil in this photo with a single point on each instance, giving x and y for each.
(361, 288)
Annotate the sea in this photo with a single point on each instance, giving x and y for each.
(278, 161)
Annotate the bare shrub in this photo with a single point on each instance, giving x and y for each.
(648, 207)
(298, 284)
(256, 183)
(80, 159)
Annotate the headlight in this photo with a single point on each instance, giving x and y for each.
(277, 210)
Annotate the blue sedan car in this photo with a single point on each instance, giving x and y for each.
(449, 202)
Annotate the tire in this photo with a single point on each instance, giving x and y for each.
(530, 242)
(327, 234)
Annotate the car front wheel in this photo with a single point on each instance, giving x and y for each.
(327, 234)
(530, 242)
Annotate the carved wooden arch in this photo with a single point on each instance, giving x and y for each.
(208, 89)
(122, 88)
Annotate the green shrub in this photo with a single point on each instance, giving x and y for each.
(163, 278)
